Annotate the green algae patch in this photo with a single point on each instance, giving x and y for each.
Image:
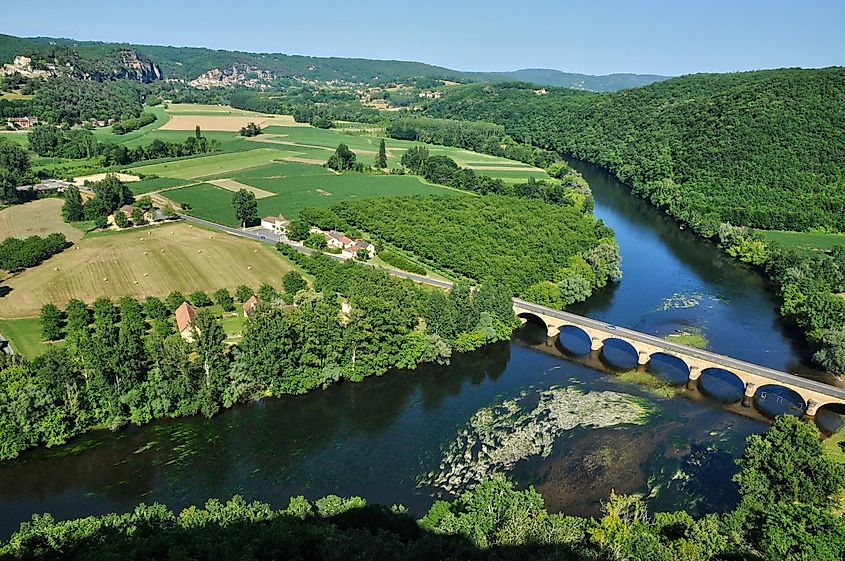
(654, 384)
(499, 436)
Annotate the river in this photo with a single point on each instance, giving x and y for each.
(568, 426)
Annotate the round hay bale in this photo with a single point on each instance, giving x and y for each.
(249, 268)
(199, 251)
(146, 274)
(145, 253)
(134, 282)
(162, 250)
(55, 268)
(105, 279)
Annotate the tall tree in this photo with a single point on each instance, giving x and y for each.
(381, 160)
(246, 207)
(73, 210)
(51, 322)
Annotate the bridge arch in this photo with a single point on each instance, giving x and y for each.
(619, 353)
(668, 367)
(575, 340)
(830, 417)
(774, 400)
(722, 385)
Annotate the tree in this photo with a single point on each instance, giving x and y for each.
(208, 342)
(788, 464)
(251, 129)
(414, 159)
(293, 282)
(200, 299)
(120, 219)
(246, 208)
(224, 299)
(197, 132)
(155, 309)
(243, 292)
(137, 216)
(381, 159)
(343, 159)
(51, 322)
(315, 240)
(77, 315)
(298, 230)
(831, 355)
(174, 300)
(266, 293)
(73, 210)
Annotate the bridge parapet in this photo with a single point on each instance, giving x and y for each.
(815, 394)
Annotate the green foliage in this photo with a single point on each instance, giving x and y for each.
(298, 230)
(200, 299)
(251, 129)
(401, 262)
(17, 254)
(223, 299)
(51, 322)
(343, 159)
(381, 159)
(504, 240)
(293, 282)
(788, 464)
(246, 208)
(174, 300)
(745, 162)
(133, 123)
(243, 293)
(72, 210)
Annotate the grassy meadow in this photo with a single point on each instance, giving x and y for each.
(37, 218)
(807, 241)
(143, 262)
(24, 334)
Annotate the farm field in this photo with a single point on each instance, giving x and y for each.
(143, 262)
(105, 134)
(24, 335)
(186, 116)
(212, 165)
(293, 193)
(36, 218)
(156, 184)
(807, 241)
(18, 137)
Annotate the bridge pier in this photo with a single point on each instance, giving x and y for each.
(553, 332)
(694, 375)
(596, 344)
(812, 408)
(643, 358)
(750, 390)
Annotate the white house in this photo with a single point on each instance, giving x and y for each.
(277, 224)
(352, 249)
(337, 240)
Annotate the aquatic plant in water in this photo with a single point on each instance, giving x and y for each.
(499, 436)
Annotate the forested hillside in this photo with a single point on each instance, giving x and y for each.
(763, 149)
(190, 62)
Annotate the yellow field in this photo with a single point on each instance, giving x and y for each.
(143, 262)
(186, 116)
(37, 218)
(235, 186)
(125, 177)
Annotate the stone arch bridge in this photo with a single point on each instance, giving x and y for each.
(814, 394)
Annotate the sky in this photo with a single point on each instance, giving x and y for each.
(591, 37)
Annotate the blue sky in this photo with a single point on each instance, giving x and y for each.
(593, 37)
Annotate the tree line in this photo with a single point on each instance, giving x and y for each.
(52, 141)
(130, 124)
(124, 362)
(17, 254)
(786, 513)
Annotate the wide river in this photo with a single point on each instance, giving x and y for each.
(568, 426)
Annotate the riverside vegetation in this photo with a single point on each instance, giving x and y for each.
(126, 363)
(786, 512)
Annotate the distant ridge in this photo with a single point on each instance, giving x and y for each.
(190, 62)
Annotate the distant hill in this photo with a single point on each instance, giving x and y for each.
(764, 149)
(110, 59)
(557, 78)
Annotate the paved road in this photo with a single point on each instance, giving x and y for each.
(722, 360)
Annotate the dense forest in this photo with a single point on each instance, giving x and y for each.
(550, 254)
(124, 362)
(786, 513)
(762, 149)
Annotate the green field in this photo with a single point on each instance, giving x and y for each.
(807, 241)
(105, 134)
(36, 218)
(157, 184)
(24, 335)
(300, 191)
(212, 165)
